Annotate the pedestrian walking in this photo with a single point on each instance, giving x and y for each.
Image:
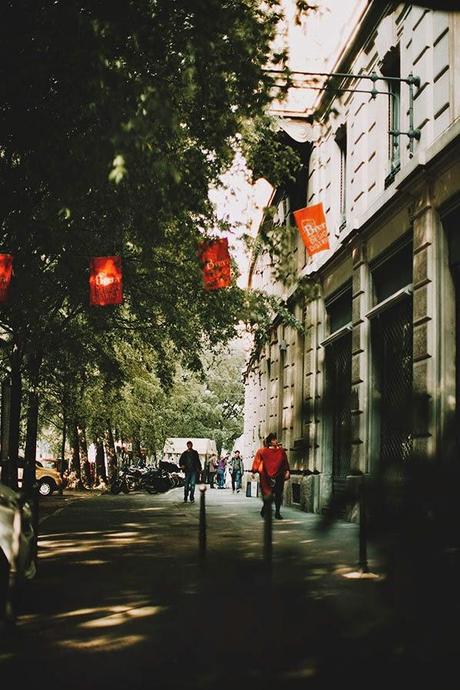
(236, 471)
(272, 465)
(190, 463)
(221, 467)
(211, 470)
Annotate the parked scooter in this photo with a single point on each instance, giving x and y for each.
(120, 483)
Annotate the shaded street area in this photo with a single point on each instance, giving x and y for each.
(122, 600)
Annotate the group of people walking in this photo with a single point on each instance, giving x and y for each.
(270, 463)
(215, 469)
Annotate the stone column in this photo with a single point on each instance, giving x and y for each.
(360, 361)
(426, 320)
(309, 383)
(300, 459)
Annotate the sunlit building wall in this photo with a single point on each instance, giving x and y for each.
(373, 380)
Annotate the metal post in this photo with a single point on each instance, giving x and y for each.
(363, 564)
(268, 530)
(202, 527)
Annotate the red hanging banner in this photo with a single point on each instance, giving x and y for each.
(311, 223)
(215, 262)
(6, 269)
(105, 281)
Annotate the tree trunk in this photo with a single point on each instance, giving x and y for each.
(29, 479)
(30, 454)
(5, 426)
(100, 461)
(75, 461)
(64, 439)
(15, 418)
(111, 453)
(136, 448)
(84, 463)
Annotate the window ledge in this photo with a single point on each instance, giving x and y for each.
(389, 301)
(337, 334)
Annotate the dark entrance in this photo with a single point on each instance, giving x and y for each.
(338, 378)
(392, 347)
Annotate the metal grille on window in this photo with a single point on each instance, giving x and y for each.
(393, 343)
(338, 367)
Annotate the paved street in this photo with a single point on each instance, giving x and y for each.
(122, 600)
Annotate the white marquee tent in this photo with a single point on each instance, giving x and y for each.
(174, 447)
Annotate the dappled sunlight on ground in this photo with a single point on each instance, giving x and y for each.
(114, 619)
(73, 535)
(107, 541)
(360, 575)
(102, 644)
(308, 671)
(137, 599)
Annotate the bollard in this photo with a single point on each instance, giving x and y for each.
(268, 530)
(363, 564)
(202, 526)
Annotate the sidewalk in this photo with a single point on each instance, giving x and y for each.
(123, 601)
(50, 504)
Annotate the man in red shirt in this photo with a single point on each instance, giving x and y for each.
(273, 467)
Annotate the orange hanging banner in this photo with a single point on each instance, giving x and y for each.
(215, 263)
(105, 281)
(6, 270)
(311, 223)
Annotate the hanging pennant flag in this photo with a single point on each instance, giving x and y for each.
(105, 281)
(215, 262)
(311, 223)
(6, 269)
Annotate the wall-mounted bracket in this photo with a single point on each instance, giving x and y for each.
(411, 80)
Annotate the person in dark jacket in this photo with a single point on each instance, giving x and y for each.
(190, 463)
(236, 471)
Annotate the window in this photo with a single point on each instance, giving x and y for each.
(391, 357)
(392, 271)
(337, 393)
(339, 309)
(391, 68)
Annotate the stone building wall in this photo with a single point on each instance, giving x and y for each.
(391, 203)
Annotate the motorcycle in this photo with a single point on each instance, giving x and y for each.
(155, 481)
(133, 478)
(150, 479)
(120, 483)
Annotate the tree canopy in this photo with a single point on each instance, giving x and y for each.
(115, 120)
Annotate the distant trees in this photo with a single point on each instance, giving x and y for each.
(136, 408)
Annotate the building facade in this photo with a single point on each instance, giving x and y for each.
(372, 381)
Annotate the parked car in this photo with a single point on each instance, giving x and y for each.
(48, 478)
(17, 549)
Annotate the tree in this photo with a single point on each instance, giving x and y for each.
(114, 121)
(207, 404)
